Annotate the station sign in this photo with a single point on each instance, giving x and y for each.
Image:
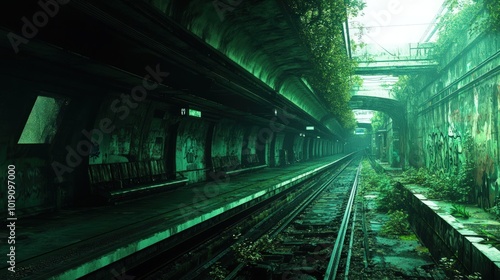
(185, 111)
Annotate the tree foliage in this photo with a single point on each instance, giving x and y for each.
(379, 120)
(402, 88)
(493, 21)
(463, 17)
(320, 25)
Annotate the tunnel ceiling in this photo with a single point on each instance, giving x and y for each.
(261, 38)
(205, 55)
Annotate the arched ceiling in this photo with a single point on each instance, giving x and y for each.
(259, 36)
(391, 107)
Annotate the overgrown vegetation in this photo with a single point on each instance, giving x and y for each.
(397, 224)
(378, 120)
(490, 238)
(466, 16)
(391, 196)
(391, 200)
(218, 272)
(405, 88)
(454, 186)
(454, 24)
(320, 25)
(250, 252)
(493, 20)
(371, 180)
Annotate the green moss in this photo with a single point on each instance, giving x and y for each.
(409, 237)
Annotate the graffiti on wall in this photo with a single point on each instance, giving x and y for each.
(29, 179)
(191, 151)
(444, 150)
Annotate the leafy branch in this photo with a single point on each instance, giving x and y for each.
(321, 28)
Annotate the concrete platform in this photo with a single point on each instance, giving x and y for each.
(461, 238)
(446, 235)
(89, 239)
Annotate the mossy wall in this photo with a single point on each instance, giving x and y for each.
(460, 103)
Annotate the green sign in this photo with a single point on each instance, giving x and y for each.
(194, 113)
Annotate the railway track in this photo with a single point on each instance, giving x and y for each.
(300, 236)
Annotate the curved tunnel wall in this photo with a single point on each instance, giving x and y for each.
(149, 131)
(56, 174)
(257, 37)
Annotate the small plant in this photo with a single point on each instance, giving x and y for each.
(422, 251)
(415, 176)
(459, 211)
(247, 251)
(218, 272)
(489, 238)
(397, 224)
(392, 196)
(370, 179)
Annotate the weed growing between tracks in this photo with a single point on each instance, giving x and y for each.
(386, 248)
(249, 252)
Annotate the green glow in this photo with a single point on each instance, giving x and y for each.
(195, 113)
(42, 121)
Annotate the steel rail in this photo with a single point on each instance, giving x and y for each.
(290, 217)
(308, 201)
(351, 245)
(333, 264)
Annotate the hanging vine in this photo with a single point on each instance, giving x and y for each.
(321, 28)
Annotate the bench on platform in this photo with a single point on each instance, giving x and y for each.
(117, 181)
(231, 165)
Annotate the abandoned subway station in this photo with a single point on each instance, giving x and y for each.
(250, 139)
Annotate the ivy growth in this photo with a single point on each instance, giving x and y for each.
(493, 20)
(320, 25)
(378, 120)
(465, 16)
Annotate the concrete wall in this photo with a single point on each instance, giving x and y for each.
(136, 134)
(279, 138)
(298, 145)
(190, 149)
(228, 139)
(461, 101)
(54, 175)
